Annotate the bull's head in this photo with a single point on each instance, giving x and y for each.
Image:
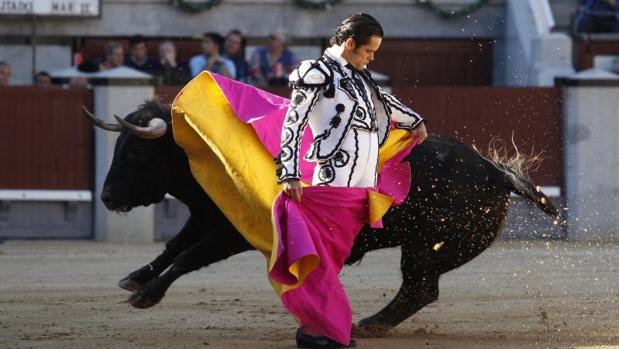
(144, 156)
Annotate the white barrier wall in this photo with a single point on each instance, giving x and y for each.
(591, 153)
(529, 53)
(48, 58)
(118, 92)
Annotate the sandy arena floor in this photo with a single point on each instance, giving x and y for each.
(63, 294)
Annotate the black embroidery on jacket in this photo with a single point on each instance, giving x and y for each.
(291, 117)
(326, 173)
(299, 98)
(326, 134)
(394, 103)
(345, 85)
(336, 120)
(341, 158)
(291, 137)
(354, 164)
(314, 67)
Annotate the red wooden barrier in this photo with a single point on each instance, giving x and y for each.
(166, 94)
(585, 49)
(45, 140)
(436, 62)
(475, 115)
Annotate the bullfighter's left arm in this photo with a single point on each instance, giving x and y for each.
(405, 117)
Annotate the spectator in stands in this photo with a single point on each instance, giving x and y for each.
(138, 58)
(114, 56)
(5, 74)
(615, 65)
(271, 65)
(88, 66)
(211, 58)
(171, 72)
(235, 51)
(598, 16)
(43, 79)
(79, 82)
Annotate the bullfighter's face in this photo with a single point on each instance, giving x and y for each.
(360, 56)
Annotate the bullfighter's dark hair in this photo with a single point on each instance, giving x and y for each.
(360, 27)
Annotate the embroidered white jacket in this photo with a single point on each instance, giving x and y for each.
(324, 96)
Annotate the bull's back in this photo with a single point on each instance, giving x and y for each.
(454, 210)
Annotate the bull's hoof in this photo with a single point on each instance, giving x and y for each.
(142, 301)
(129, 284)
(135, 280)
(370, 331)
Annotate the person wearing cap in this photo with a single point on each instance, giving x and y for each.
(271, 65)
(350, 117)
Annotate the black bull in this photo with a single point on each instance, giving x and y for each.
(456, 208)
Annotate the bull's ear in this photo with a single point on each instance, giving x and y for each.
(101, 123)
(156, 128)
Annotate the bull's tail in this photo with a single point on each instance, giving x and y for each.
(510, 171)
(523, 187)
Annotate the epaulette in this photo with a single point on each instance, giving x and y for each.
(311, 73)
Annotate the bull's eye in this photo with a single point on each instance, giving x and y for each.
(135, 156)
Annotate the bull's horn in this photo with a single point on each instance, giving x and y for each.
(156, 128)
(101, 123)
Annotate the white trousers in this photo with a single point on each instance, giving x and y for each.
(353, 165)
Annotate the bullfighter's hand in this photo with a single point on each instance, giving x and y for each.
(293, 189)
(420, 132)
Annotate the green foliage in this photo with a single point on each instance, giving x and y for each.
(194, 6)
(317, 4)
(198, 6)
(453, 14)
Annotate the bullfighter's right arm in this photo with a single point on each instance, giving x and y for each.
(308, 81)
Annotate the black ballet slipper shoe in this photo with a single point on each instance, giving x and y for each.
(307, 341)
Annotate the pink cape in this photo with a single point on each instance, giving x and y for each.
(325, 224)
(321, 229)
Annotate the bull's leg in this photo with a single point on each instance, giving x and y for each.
(213, 248)
(187, 237)
(419, 288)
